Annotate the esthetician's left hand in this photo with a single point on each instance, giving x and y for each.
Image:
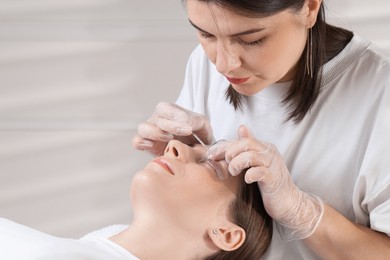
(298, 212)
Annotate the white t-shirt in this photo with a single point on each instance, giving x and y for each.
(339, 152)
(19, 242)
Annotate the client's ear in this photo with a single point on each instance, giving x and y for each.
(227, 238)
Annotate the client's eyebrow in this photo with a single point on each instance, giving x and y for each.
(250, 31)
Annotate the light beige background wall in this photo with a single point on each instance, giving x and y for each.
(76, 78)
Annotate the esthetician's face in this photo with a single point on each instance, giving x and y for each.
(252, 53)
(179, 187)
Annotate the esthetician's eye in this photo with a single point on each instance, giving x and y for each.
(205, 34)
(253, 43)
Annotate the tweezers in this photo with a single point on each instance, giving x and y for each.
(212, 163)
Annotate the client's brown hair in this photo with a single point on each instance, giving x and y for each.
(247, 211)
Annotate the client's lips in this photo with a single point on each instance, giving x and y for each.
(164, 164)
(237, 80)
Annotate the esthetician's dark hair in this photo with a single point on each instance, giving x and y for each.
(327, 42)
(247, 211)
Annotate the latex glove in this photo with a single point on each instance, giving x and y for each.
(298, 212)
(170, 121)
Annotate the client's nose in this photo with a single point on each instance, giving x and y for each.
(177, 149)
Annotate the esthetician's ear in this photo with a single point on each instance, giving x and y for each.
(227, 238)
(313, 7)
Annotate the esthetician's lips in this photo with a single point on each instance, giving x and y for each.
(237, 81)
(164, 164)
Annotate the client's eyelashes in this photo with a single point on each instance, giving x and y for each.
(221, 174)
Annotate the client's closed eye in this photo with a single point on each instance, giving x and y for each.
(218, 168)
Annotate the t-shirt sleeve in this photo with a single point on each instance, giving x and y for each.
(195, 72)
(372, 192)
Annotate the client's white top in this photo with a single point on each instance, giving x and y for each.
(18, 242)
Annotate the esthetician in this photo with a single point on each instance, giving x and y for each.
(304, 108)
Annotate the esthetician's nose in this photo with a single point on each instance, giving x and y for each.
(178, 150)
(227, 59)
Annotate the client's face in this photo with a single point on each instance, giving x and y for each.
(180, 186)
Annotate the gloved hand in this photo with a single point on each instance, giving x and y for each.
(171, 121)
(298, 212)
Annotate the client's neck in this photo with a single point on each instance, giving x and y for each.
(158, 241)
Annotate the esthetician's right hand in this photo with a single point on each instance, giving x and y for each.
(170, 121)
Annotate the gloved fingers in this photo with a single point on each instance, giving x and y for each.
(245, 145)
(201, 126)
(217, 151)
(141, 143)
(152, 132)
(297, 212)
(198, 122)
(246, 142)
(180, 115)
(154, 147)
(248, 159)
(171, 119)
(244, 132)
(171, 112)
(181, 122)
(173, 127)
(267, 181)
(254, 144)
(257, 174)
(151, 138)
